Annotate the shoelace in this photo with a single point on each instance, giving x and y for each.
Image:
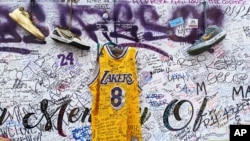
(68, 33)
(71, 12)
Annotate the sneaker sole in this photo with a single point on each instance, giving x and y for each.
(208, 44)
(27, 27)
(59, 39)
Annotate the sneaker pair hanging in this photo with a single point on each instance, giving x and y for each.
(212, 36)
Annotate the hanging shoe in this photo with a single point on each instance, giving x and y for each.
(212, 36)
(66, 36)
(22, 17)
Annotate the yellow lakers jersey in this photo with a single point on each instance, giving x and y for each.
(115, 114)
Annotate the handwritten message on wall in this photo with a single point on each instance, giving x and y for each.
(43, 84)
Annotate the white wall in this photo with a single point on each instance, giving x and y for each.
(32, 72)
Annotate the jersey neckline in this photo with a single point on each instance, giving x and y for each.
(114, 56)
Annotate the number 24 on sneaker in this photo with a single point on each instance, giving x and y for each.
(66, 36)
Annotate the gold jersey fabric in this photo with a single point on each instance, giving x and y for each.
(115, 114)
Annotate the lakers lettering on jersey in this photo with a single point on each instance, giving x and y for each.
(115, 114)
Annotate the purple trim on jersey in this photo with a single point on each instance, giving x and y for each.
(94, 77)
(116, 57)
(99, 52)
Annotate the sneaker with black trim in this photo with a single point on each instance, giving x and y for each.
(22, 17)
(66, 36)
(212, 36)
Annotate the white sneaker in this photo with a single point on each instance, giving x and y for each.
(66, 36)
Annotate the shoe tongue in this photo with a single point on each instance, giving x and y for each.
(69, 34)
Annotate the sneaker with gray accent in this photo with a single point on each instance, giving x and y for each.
(66, 36)
(212, 36)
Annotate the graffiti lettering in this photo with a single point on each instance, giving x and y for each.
(62, 109)
(198, 119)
(145, 115)
(166, 114)
(219, 117)
(233, 2)
(3, 114)
(240, 90)
(201, 88)
(90, 29)
(65, 59)
(221, 77)
(48, 126)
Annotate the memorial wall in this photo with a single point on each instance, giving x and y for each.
(44, 92)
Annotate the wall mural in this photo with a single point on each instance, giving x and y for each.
(43, 84)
